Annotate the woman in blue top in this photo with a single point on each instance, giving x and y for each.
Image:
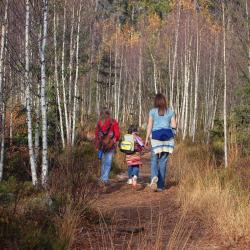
(161, 129)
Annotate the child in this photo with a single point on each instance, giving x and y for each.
(134, 160)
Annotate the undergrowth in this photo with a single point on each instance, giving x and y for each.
(219, 195)
(34, 218)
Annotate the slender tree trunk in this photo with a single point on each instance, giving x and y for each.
(115, 84)
(155, 73)
(56, 79)
(140, 86)
(2, 141)
(248, 37)
(119, 87)
(76, 76)
(196, 82)
(71, 55)
(37, 126)
(63, 76)
(43, 95)
(2, 107)
(225, 85)
(175, 57)
(28, 96)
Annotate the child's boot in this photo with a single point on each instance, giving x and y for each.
(129, 182)
(134, 181)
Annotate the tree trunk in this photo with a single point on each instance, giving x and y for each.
(140, 86)
(248, 37)
(56, 79)
(2, 142)
(196, 83)
(28, 96)
(225, 86)
(63, 76)
(155, 73)
(76, 76)
(42, 46)
(71, 54)
(175, 58)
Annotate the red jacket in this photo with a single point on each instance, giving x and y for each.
(103, 128)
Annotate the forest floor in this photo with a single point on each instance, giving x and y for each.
(137, 218)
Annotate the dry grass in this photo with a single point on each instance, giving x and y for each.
(216, 193)
(109, 236)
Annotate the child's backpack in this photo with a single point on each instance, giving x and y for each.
(107, 141)
(127, 145)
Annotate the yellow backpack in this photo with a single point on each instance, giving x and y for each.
(127, 145)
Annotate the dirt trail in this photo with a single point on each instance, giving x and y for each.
(139, 218)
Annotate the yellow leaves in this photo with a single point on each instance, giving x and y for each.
(117, 35)
(129, 35)
(187, 4)
(154, 23)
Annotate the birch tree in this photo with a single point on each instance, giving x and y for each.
(28, 95)
(76, 76)
(2, 107)
(196, 80)
(58, 97)
(225, 84)
(42, 47)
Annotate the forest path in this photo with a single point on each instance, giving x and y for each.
(139, 218)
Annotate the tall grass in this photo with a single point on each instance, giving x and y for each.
(217, 194)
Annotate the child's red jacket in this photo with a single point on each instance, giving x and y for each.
(102, 127)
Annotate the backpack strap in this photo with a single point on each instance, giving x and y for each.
(108, 130)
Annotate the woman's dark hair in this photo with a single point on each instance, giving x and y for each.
(105, 113)
(161, 103)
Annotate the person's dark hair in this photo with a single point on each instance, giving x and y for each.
(105, 113)
(132, 129)
(160, 103)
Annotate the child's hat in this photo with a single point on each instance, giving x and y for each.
(132, 129)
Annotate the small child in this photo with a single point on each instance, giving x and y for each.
(134, 160)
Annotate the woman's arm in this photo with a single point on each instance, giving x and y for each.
(173, 125)
(173, 122)
(149, 129)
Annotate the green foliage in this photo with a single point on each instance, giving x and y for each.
(32, 219)
(156, 6)
(23, 226)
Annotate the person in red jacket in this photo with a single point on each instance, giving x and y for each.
(107, 134)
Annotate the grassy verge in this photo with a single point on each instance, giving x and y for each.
(219, 195)
(34, 218)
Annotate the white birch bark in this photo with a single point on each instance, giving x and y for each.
(44, 175)
(119, 86)
(37, 126)
(28, 96)
(91, 74)
(140, 86)
(196, 82)
(71, 55)
(248, 37)
(2, 107)
(2, 141)
(56, 79)
(175, 57)
(115, 83)
(225, 85)
(154, 73)
(76, 76)
(2, 46)
(63, 76)
(187, 59)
